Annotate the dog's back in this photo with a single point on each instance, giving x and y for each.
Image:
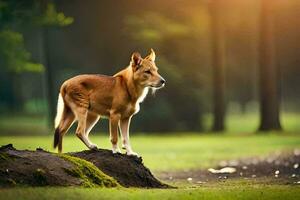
(84, 90)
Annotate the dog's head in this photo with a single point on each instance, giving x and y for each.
(145, 72)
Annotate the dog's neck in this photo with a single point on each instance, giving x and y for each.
(136, 92)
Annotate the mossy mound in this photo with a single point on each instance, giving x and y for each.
(129, 171)
(42, 168)
(97, 168)
(89, 173)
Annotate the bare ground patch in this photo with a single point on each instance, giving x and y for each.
(279, 167)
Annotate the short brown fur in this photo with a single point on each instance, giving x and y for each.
(86, 98)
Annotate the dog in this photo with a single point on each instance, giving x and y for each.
(87, 98)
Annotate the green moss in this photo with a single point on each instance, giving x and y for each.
(40, 177)
(4, 182)
(11, 182)
(89, 173)
(4, 157)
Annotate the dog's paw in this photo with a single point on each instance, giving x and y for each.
(132, 153)
(123, 146)
(117, 150)
(93, 147)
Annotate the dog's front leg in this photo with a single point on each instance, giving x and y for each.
(124, 127)
(113, 129)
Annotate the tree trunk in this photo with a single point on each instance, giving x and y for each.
(269, 95)
(17, 101)
(48, 76)
(218, 66)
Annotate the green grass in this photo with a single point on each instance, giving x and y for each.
(20, 125)
(215, 192)
(161, 152)
(176, 152)
(238, 123)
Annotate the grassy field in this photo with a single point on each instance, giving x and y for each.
(235, 123)
(235, 190)
(176, 152)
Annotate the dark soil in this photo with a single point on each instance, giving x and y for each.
(42, 168)
(37, 168)
(282, 168)
(129, 171)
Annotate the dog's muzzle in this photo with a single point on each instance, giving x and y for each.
(160, 84)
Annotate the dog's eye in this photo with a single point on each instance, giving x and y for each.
(148, 72)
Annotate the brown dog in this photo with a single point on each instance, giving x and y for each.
(86, 98)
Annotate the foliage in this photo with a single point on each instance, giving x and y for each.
(13, 54)
(53, 18)
(107, 33)
(153, 27)
(13, 15)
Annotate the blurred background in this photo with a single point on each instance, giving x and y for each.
(230, 65)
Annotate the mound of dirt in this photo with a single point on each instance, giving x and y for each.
(281, 167)
(129, 171)
(42, 168)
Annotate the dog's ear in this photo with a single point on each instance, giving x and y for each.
(136, 60)
(151, 56)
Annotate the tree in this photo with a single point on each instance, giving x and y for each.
(169, 37)
(268, 72)
(51, 18)
(14, 57)
(218, 66)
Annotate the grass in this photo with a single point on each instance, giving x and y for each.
(236, 123)
(181, 151)
(29, 125)
(235, 190)
(176, 152)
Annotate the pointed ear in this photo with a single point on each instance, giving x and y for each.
(136, 60)
(151, 56)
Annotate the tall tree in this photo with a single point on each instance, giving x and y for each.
(15, 14)
(268, 72)
(218, 63)
(52, 18)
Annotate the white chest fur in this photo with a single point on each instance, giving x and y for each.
(140, 100)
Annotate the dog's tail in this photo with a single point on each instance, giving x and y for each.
(56, 138)
(60, 111)
(58, 118)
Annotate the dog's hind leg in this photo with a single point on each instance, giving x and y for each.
(64, 120)
(67, 121)
(91, 121)
(81, 115)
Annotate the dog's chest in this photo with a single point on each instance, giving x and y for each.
(135, 107)
(132, 109)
